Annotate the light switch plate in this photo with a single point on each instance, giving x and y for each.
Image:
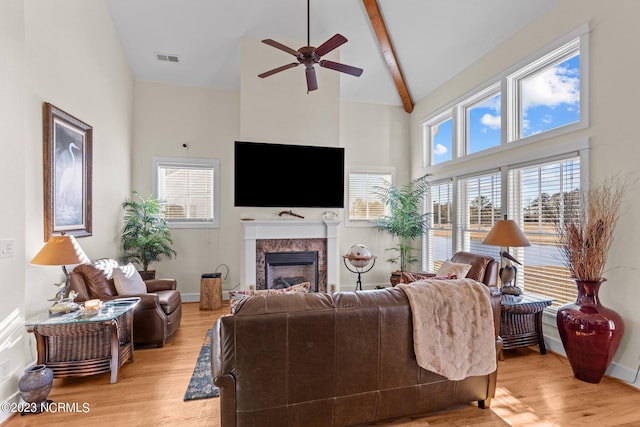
(6, 248)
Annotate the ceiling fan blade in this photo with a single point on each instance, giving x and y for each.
(280, 46)
(343, 68)
(277, 70)
(329, 45)
(312, 82)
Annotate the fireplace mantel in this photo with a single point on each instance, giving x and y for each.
(289, 229)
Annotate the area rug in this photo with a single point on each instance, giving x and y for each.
(201, 384)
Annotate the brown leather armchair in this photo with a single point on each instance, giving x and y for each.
(156, 317)
(484, 269)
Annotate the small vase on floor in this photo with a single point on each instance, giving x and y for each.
(590, 332)
(35, 384)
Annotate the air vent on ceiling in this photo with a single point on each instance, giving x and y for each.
(167, 57)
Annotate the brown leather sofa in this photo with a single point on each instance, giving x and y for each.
(156, 317)
(330, 360)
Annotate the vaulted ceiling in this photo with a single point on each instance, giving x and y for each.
(433, 39)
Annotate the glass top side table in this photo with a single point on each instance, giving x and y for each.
(73, 344)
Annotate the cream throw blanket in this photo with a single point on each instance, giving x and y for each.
(453, 332)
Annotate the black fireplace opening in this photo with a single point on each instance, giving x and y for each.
(285, 269)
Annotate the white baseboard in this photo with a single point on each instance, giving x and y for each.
(195, 297)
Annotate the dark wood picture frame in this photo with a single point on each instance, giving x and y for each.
(67, 155)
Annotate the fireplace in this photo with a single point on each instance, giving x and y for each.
(285, 269)
(263, 236)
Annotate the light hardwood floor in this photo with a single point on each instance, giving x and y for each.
(533, 390)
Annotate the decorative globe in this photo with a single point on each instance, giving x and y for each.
(359, 255)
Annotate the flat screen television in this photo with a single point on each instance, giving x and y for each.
(288, 176)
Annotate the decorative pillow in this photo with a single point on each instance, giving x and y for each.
(128, 281)
(96, 276)
(449, 268)
(237, 296)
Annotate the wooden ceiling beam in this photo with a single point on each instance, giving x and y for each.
(380, 29)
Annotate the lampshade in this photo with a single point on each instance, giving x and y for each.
(505, 232)
(60, 250)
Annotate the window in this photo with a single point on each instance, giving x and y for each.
(364, 204)
(481, 207)
(547, 92)
(189, 187)
(539, 195)
(541, 97)
(484, 123)
(441, 139)
(440, 229)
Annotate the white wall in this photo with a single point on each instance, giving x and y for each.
(66, 53)
(613, 134)
(276, 109)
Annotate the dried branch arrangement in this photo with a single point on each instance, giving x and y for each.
(586, 229)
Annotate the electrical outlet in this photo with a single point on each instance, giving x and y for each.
(5, 369)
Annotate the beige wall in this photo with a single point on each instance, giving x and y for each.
(12, 221)
(613, 133)
(66, 53)
(208, 121)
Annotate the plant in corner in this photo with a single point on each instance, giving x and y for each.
(146, 237)
(405, 219)
(589, 331)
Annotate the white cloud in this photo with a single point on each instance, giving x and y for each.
(439, 150)
(551, 88)
(547, 119)
(490, 121)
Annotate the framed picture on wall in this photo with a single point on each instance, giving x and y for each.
(67, 152)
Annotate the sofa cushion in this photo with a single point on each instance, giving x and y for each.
(128, 281)
(169, 300)
(449, 268)
(237, 296)
(98, 278)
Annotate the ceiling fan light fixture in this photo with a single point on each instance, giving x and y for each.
(309, 55)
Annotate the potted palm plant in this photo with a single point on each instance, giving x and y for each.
(146, 237)
(405, 218)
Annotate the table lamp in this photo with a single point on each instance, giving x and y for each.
(506, 233)
(61, 250)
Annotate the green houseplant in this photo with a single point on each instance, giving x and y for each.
(405, 219)
(146, 237)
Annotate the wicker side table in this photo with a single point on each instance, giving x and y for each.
(73, 345)
(521, 321)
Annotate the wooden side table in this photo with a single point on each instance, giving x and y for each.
(74, 345)
(521, 321)
(211, 292)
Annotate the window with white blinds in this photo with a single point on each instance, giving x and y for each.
(189, 189)
(538, 195)
(364, 205)
(480, 200)
(440, 230)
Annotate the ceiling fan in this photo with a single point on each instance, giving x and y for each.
(309, 55)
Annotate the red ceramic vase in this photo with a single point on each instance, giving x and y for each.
(590, 332)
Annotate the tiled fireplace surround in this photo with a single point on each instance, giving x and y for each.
(290, 235)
